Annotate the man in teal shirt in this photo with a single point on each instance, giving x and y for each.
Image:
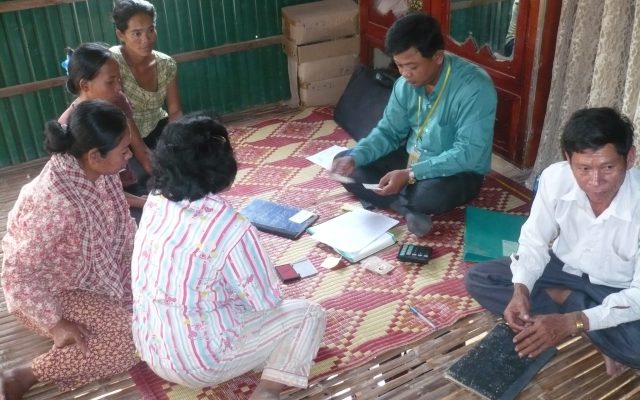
(431, 149)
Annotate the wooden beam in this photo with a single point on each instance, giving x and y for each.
(32, 86)
(227, 48)
(18, 5)
(181, 58)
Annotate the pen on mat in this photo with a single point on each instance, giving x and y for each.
(424, 319)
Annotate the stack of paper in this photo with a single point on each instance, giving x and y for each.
(356, 234)
(384, 241)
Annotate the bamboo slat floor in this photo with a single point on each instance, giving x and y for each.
(412, 372)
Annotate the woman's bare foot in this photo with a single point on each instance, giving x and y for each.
(16, 382)
(267, 390)
(614, 368)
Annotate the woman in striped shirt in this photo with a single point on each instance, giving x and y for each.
(207, 305)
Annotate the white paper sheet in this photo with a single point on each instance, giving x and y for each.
(301, 216)
(304, 268)
(371, 186)
(326, 156)
(341, 178)
(352, 231)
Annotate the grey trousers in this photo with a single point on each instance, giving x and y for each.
(490, 284)
(427, 196)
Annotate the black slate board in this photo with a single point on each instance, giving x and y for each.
(493, 369)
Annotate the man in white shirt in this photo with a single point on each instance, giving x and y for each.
(588, 209)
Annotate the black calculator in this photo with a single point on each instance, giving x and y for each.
(414, 253)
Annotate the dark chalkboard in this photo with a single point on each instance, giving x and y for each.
(493, 369)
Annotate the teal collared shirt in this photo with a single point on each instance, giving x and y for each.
(459, 135)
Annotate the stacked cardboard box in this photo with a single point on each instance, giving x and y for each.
(322, 45)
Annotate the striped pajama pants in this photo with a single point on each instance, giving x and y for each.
(282, 342)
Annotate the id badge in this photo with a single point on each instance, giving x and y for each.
(414, 156)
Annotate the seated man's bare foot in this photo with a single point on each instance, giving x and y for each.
(558, 295)
(16, 382)
(614, 368)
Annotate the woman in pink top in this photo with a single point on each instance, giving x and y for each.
(67, 255)
(93, 73)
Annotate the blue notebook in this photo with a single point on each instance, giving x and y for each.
(275, 218)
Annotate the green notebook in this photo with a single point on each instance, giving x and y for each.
(490, 234)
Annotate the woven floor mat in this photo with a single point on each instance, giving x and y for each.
(367, 314)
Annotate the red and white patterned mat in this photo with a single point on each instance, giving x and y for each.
(367, 314)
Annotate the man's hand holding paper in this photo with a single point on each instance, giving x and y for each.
(393, 182)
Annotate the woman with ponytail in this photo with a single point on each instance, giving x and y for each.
(93, 73)
(67, 252)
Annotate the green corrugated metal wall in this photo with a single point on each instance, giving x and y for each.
(32, 45)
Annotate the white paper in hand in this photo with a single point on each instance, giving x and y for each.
(325, 157)
(341, 178)
(371, 186)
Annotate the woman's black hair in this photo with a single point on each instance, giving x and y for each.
(193, 158)
(123, 10)
(94, 124)
(84, 63)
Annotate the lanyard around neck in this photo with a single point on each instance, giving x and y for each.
(433, 107)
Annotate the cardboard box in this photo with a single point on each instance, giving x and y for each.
(319, 61)
(313, 75)
(331, 67)
(321, 50)
(323, 92)
(320, 20)
(293, 82)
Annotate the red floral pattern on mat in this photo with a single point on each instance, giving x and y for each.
(367, 314)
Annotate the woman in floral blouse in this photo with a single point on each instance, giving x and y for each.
(67, 252)
(148, 76)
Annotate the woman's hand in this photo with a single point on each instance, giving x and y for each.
(139, 149)
(65, 333)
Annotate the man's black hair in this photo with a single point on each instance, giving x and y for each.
(416, 30)
(594, 128)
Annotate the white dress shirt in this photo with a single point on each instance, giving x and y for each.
(604, 247)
